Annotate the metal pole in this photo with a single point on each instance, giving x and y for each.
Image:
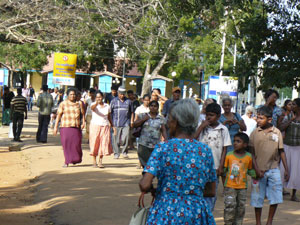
(124, 67)
(200, 90)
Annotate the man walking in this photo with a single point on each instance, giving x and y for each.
(122, 115)
(110, 96)
(30, 98)
(176, 91)
(18, 107)
(45, 103)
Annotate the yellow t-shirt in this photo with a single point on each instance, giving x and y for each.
(236, 170)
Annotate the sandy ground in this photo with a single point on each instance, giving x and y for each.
(35, 189)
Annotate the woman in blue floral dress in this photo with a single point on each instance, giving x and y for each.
(184, 168)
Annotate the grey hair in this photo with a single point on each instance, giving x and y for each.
(249, 108)
(227, 99)
(186, 112)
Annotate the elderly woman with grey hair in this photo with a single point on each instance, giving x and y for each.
(185, 171)
(233, 121)
(249, 120)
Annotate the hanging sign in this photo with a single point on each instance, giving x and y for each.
(64, 69)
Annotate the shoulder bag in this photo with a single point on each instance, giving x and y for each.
(141, 214)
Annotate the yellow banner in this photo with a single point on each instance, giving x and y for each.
(64, 69)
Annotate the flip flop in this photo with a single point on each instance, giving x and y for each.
(295, 199)
(94, 166)
(101, 166)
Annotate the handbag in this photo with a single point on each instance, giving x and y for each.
(136, 132)
(140, 216)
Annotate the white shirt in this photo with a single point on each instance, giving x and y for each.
(250, 124)
(100, 115)
(54, 95)
(216, 138)
(88, 109)
(141, 109)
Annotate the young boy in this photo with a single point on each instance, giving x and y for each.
(217, 137)
(267, 148)
(238, 164)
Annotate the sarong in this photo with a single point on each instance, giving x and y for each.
(100, 140)
(293, 158)
(71, 141)
(6, 117)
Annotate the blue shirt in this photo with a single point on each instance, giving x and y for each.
(167, 107)
(121, 112)
(233, 129)
(182, 167)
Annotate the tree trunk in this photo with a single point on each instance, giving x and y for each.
(10, 84)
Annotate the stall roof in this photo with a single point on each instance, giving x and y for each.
(106, 73)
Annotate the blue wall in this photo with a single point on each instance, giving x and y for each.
(161, 84)
(105, 83)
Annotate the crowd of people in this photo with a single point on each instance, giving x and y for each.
(187, 149)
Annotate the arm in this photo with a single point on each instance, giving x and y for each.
(284, 126)
(38, 103)
(131, 119)
(286, 170)
(259, 173)
(210, 189)
(110, 119)
(11, 110)
(83, 115)
(203, 125)
(94, 106)
(146, 182)
(220, 170)
(58, 117)
(140, 122)
(242, 125)
(164, 132)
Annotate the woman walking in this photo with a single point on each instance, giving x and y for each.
(291, 141)
(152, 128)
(233, 121)
(68, 114)
(99, 136)
(184, 168)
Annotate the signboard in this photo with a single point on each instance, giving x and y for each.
(64, 69)
(223, 85)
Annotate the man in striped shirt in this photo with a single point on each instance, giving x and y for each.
(17, 110)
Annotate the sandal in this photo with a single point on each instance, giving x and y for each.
(101, 166)
(295, 199)
(94, 166)
(65, 165)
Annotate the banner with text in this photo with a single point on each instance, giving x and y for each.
(64, 69)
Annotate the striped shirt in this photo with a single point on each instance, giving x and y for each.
(19, 104)
(70, 114)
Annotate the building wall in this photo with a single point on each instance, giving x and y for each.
(36, 80)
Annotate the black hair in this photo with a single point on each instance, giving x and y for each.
(146, 95)
(99, 92)
(245, 139)
(92, 90)
(114, 88)
(214, 100)
(297, 101)
(61, 91)
(159, 91)
(155, 102)
(269, 92)
(45, 87)
(286, 102)
(213, 108)
(70, 90)
(6, 88)
(130, 92)
(265, 111)
(19, 91)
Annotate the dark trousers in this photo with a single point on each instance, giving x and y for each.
(18, 120)
(41, 135)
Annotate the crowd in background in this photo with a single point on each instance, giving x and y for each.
(176, 142)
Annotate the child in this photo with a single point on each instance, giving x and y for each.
(217, 137)
(238, 164)
(267, 148)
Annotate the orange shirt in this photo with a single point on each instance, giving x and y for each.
(70, 113)
(237, 169)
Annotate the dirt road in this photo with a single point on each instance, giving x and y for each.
(36, 190)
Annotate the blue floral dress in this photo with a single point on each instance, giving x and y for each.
(182, 167)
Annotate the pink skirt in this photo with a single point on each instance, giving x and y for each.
(293, 162)
(100, 140)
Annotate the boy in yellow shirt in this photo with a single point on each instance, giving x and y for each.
(238, 164)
